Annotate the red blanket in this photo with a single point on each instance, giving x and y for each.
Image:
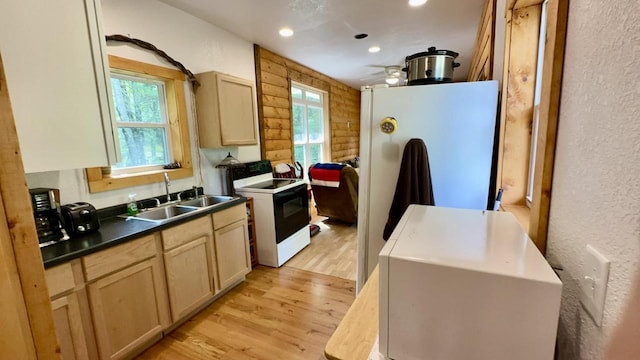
(326, 174)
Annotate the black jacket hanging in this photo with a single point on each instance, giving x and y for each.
(414, 183)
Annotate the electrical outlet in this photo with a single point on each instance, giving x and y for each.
(594, 283)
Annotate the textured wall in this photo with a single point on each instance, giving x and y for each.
(596, 187)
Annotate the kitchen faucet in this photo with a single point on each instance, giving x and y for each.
(166, 186)
(193, 188)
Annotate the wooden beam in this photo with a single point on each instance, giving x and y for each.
(15, 336)
(557, 15)
(525, 24)
(260, 91)
(503, 102)
(17, 218)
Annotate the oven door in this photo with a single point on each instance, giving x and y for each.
(291, 211)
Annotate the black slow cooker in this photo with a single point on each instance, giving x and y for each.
(430, 67)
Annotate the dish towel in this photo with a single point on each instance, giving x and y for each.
(326, 174)
(414, 183)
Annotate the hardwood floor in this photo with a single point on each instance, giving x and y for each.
(282, 314)
(331, 252)
(285, 313)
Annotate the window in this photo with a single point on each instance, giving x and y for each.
(141, 118)
(150, 122)
(310, 125)
(536, 104)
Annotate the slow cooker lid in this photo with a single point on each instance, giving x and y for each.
(432, 51)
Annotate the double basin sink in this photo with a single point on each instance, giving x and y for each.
(168, 213)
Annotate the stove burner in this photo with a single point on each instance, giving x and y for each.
(270, 184)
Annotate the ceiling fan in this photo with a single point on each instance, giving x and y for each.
(393, 74)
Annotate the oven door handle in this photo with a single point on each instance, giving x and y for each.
(288, 193)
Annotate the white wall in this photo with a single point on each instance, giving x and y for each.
(200, 47)
(596, 188)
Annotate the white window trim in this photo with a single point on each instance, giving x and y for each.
(326, 143)
(164, 125)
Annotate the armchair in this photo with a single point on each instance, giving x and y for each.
(337, 200)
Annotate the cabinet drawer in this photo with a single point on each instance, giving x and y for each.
(229, 216)
(59, 279)
(186, 232)
(118, 257)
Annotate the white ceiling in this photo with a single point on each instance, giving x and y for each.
(325, 29)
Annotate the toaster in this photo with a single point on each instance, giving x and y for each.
(80, 218)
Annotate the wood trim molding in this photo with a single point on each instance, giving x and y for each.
(557, 15)
(519, 100)
(519, 4)
(177, 112)
(138, 67)
(99, 182)
(503, 101)
(22, 259)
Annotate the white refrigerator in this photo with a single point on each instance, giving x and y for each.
(456, 121)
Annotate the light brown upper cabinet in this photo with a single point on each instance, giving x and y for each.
(226, 111)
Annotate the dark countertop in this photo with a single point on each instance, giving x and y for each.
(114, 231)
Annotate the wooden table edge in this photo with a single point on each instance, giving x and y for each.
(355, 335)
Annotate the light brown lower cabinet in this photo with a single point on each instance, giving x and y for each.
(232, 252)
(113, 303)
(69, 327)
(70, 308)
(189, 267)
(129, 308)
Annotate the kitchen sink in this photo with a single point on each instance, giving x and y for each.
(207, 200)
(164, 214)
(167, 213)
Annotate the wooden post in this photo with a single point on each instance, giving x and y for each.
(30, 332)
(557, 15)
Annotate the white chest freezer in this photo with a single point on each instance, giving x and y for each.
(465, 284)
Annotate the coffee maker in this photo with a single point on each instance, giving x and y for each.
(46, 213)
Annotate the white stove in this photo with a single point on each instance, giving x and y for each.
(266, 183)
(281, 208)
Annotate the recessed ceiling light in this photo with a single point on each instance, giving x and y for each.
(286, 32)
(417, 2)
(374, 49)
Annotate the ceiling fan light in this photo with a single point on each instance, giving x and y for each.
(393, 70)
(415, 3)
(391, 80)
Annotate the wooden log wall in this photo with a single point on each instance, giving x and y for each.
(274, 74)
(482, 60)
